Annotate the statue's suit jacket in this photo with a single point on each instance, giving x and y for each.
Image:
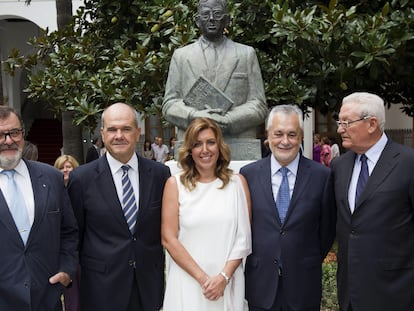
(109, 254)
(376, 242)
(299, 245)
(238, 76)
(50, 248)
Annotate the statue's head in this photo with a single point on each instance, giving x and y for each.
(212, 17)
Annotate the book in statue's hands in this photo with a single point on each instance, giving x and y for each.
(203, 95)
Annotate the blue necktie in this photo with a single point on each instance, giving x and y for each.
(17, 206)
(129, 205)
(363, 177)
(283, 195)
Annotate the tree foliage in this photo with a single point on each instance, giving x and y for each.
(312, 53)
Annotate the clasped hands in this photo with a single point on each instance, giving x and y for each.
(215, 114)
(213, 287)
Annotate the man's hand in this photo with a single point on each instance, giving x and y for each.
(62, 278)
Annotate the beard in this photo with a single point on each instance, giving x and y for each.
(10, 162)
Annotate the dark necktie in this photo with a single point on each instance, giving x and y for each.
(363, 177)
(129, 204)
(17, 206)
(283, 195)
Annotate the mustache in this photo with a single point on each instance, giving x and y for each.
(13, 146)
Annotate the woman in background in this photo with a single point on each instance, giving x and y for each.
(66, 164)
(147, 151)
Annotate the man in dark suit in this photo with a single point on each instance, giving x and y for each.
(375, 227)
(38, 232)
(117, 201)
(94, 151)
(290, 239)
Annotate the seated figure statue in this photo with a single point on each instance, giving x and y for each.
(217, 78)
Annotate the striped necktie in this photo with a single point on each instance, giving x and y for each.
(129, 204)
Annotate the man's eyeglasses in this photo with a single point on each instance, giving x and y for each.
(14, 134)
(216, 15)
(346, 124)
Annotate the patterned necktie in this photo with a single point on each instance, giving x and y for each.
(129, 204)
(17, 206)
(363, 177)
(283, 195)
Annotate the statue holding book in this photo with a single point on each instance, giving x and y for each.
(217, 78)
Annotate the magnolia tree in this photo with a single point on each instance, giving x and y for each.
(311, 54)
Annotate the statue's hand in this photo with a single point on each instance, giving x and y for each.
(213, 110)
(222, 121)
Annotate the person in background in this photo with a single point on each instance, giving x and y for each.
(335, 151)
(374, 189)
(66, 164)
(161, 151)
(316, 148)
(205, 225)
(117, 202)
(30, 151)
(38, 231)
(147, 151)
(325, 155)
(171, 150)
(94, 151)
(293, 227)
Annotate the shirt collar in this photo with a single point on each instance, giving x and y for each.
(375, 151)
(21, 168)
(292, 166)
(115, 165)
(206, 43)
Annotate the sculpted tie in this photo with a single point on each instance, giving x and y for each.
(129, 204)
(283, 195)
(17, 206)
(363, 177)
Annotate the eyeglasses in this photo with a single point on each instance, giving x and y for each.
(346, 124)
(216, 15)
(14, 134)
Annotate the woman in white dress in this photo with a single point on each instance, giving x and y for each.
(205, 226)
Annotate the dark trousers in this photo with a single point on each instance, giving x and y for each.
(135, 303)
(279, 303)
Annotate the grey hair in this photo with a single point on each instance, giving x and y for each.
(287, 110)
(367, 104)
(136, 114)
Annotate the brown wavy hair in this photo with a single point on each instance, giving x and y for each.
(190, 174)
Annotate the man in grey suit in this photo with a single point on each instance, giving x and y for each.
(374, 189)
(117, 201)
(293, 220)
(231, 67)
(38, 232)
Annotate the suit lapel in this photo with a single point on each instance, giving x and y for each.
(265, 179)
(385, 165)
(6, 217)
(301, 182)
(228, 62)
(105, 182)
(40, 186)
(145, 184)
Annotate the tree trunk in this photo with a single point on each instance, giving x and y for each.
(72, 135)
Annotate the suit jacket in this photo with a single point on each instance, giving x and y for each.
(299, 245)
(376, 242)
(239, 77)
(109, 254)
(91, 154)
(50, 248)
